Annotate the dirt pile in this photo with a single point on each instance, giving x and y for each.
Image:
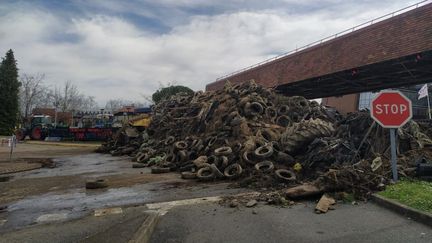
(264, 139)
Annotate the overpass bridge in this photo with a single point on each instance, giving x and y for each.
(388, 52)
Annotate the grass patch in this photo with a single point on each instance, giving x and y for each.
(414, 193)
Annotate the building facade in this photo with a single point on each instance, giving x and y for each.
(355, 102)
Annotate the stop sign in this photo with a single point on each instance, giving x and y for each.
(391, 109)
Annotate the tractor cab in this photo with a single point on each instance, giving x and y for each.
(41, 120)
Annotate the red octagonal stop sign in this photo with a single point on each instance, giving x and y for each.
(391, 109)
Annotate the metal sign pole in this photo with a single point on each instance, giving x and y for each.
(393, 153)
(11, 144)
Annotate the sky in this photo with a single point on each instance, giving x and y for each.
(125, 49)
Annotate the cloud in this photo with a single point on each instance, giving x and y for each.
(111, 55)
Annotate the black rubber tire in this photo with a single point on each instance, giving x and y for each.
(196, 143)
(285, 175)
(233, 171)
(223, 162)
(36, 133)
(115, 152)
(283, 121)
(180, 145)
(269, 135)
(169, 140)
(187, 167)
(202, 176)
(213, 159)
(96, 184)
(182, 156)
(256, 108)
(128, 150)
(211, 141)
(264, 152)
(237, 147)
(283, 110)
(223, 151)
(160, 170)
(264, 166)
(247, 158)
(187, 175)
(20, 134)
(271, 112)
(138, 165)
(276, 146)
(217, 172)
(170, 158)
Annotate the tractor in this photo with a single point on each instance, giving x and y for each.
(37, 129)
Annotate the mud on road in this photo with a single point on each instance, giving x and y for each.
(58, 193)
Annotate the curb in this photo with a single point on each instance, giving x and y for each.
(63, 144)
(422, 217)
(144, 232)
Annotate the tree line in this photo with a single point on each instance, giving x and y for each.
(19, 95)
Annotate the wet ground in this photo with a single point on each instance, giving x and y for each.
(52, 205)
(58, 194)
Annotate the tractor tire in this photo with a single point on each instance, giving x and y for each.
(20, 134)
(302, 133)
(36, 133)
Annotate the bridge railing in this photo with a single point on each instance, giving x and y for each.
(331, 37)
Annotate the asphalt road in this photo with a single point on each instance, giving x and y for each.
(348, 223)
(116, 228)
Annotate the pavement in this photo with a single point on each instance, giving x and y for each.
(211, 222)
(118, 227)
(59, 194)
(52, 205)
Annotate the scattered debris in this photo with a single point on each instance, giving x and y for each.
(262, 139)
(2, 221)
(376, 164)
(234, 203)
(324, 204)
(96, 184)
(3, 208)
(251, 203)
(107, 211)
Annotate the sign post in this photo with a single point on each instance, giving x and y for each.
(12, 144)
(391, 109)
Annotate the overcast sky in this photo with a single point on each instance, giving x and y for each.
(125, 48)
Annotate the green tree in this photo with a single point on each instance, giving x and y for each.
(9, 91)
(167, 92)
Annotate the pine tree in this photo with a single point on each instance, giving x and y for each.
(9, 90)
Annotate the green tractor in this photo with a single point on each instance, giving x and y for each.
(37, 129)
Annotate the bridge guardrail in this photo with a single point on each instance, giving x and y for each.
(331, 37)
